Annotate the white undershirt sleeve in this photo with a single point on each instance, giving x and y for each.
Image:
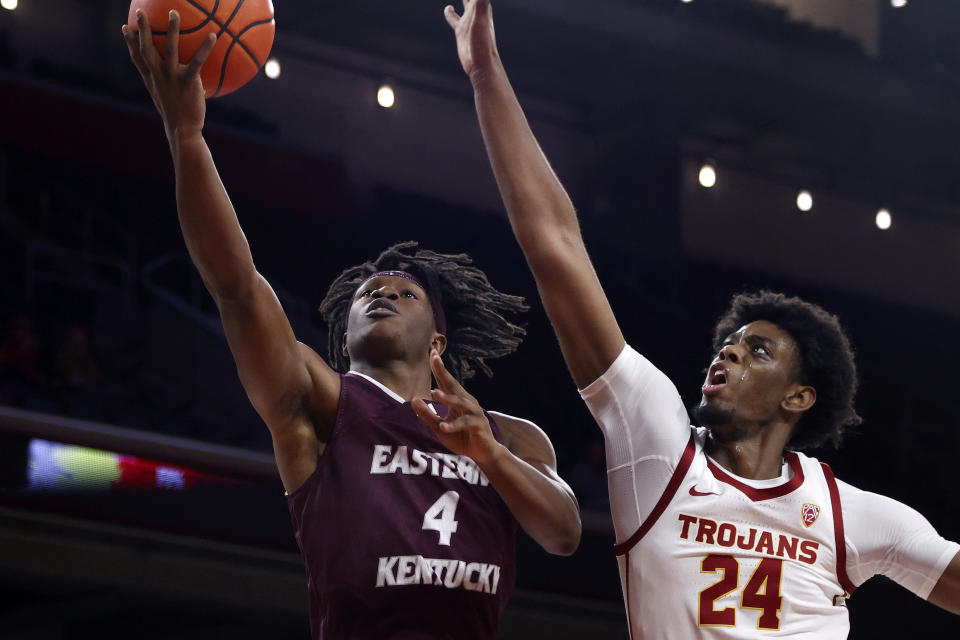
(645, 428)
(889, 538)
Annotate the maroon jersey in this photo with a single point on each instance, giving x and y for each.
(400, 537)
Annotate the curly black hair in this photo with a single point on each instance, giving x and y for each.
(477, 330)
(826, 360)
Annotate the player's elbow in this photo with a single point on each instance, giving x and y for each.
(234, 286)
(549, 242)
(566, 538)
(565, 547)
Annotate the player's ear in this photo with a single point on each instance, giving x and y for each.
(799, 398)
(439, 342)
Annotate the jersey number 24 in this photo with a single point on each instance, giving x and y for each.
(762, 592)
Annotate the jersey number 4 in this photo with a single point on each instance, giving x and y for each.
(761, 592)
(440, 516)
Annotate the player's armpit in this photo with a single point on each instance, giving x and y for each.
(297, 450)
(284, 379)
(946, 593)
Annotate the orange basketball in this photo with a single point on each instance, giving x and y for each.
(244, 29)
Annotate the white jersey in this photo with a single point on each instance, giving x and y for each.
(705, 554)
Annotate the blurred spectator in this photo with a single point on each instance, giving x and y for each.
(23, 382)
(77, 375)
(19, 352)
(75, 366)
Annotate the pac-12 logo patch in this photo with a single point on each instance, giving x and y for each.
(809, 512)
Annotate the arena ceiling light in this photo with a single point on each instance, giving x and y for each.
(884, 219)
(272, 68)
(9, 5)
(708, 175)
(896, 4)
(804, 201)
(385, 96)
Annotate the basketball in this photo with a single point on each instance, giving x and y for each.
(244, 28)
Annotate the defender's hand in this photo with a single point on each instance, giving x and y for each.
(465, 430)
(476, 42)
(176, 88)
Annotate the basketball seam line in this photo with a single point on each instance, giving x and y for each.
(209, 18)
(224, 28)
(226, 55)
(236, 40)
(244, 30)
(233, 15)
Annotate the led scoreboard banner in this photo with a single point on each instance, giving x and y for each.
(91, 513)
(55, 466)
(101, 473)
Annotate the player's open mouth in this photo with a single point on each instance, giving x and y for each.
(381, 307)
(716, 380)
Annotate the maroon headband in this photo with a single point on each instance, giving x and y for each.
(438, 316)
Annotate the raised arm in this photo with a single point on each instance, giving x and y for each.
(541, 214)
(292, 389)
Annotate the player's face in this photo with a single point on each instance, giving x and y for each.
(752, 374)
(389, 316)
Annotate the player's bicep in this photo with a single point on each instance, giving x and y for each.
(576, 304)
(275, 369)
(525, 440)
(639, 411)
(528, 442)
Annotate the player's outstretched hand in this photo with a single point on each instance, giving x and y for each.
(476, 42)
(465, 429)
(176, 88)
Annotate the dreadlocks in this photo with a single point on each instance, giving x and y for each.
(476, 328)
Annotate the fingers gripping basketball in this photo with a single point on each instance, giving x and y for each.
(244, 30)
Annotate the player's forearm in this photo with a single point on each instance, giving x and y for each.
(545, 508)
(545, 225)
(946, 593)
(539, 208)
(208, 221)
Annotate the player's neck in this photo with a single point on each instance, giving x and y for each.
(756, 458)
(407, 380)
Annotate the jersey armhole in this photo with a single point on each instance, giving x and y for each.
(678, 474)
(840, 539)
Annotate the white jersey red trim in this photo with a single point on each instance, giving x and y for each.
(840, 542)
(717, 558)
(703, 553)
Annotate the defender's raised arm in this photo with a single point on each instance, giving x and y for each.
(541, 214)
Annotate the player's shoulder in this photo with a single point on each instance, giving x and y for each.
(860, 503)
(630, 374)
(811, 463)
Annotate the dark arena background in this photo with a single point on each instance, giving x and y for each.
(139, 497)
